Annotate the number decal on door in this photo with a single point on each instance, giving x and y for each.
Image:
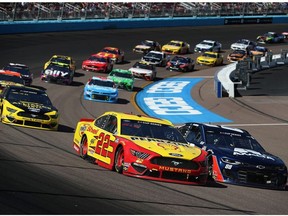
(102, 144)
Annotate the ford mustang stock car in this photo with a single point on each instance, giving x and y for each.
(144, 70)
(61, 60)
(10, 78)
(122, 78)
(237, 157)
(156, 58)
(208, 45)
(101, 89)
(28, 107)
(23, 69)
(180, 63)
(243, 44)
(271, 37)
(57, 74)
(210, 59)
(176, 47)
(115, 54)
(142, 147)
(147, 46)
(237, 55)
(97, 63)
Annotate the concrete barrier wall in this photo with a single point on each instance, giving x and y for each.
(15, 27)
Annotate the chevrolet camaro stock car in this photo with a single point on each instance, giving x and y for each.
(237, 157)
(271, 37)
(101, 89)
(142, 147)
(122, 78)
(28, 107)
(56, 73)
(62, 60)
(144, 70)
(243, 44)
(97, 63)
(176, 47)
(115, 54)
(156, 58)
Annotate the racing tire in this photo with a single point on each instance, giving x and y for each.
(83, 148)
(119, 160)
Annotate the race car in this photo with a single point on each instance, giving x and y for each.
(144, 70)
(258, 50)
(97, 63)
(61, 60)
(243, 44)
(147, 46)
(208, 45)
(115, 54)
(101, 89)
(122, 78)
(180, 63)
(271, 37)
(28, 107)
(176, 47)
(210, 59)
(156, 58)
(285, 34)
(237, 55)
(10, 78)
(237, 157)
(23, 69)
(56, 73)
(142, 147)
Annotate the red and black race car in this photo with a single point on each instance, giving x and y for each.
(97, 63)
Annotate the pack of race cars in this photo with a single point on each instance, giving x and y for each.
(142, 146)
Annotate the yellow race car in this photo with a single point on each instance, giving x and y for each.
(142, 147)
(28, 107)
(210, 59)
(176, 47)
(62, 61)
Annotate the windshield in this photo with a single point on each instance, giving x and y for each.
(97, 59)
(27, 95)
(119, 74)
(154, 55)
(105, 83)
(60, 60)
(143, 66)
(210, 55)
(231, 140)
(180, 59)
(14, 79)
(147, 43)
(206, 43)
(242, 41)
(239, 52)
(172, 43)
(23, 70)
(150, 130)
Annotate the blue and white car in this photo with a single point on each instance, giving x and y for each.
(236, 157)
(101, 89)
(208, 45)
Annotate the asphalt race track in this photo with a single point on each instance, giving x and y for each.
(41, 173)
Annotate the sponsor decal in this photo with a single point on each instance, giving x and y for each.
(248, 152)
(175, 155)
(174, 169)
(171, 99)
(55, 73)
(92, 130)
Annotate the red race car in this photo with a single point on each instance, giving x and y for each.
(115, 54)
(97, 63)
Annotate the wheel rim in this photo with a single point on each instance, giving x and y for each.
(119, 160)
(84, 147)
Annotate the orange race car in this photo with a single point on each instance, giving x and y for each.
(115, 54)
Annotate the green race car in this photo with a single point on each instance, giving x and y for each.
(122, 78)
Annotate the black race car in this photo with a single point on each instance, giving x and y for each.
(181, 63)
(236, 156)
(56, 73)
(23, 70)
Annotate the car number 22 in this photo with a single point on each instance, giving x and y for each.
(103, 148)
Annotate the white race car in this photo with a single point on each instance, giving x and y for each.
(156, 58)
(208, 45)
(243, 44)
(144, 70)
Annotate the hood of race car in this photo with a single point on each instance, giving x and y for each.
(109, 55)
(96, 63)
(168, 148)
(32, 107)
(142, 47)
(203, 46)
(140, 70)
(103, 89)
(170, 47)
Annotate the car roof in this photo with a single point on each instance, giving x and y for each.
(210, 41)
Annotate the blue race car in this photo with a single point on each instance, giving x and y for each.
(236, 156)
(101, 89)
